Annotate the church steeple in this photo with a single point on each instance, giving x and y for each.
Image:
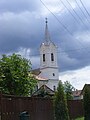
(48, 60)
(47, 35)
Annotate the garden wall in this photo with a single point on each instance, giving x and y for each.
(37, 108)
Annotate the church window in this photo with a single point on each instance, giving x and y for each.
(54, 88)
(43, 57)
(52, 57)
(53, 74)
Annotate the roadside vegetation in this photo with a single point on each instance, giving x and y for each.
(15, 75)
(60, 104)
(86, 99)
(82, 118)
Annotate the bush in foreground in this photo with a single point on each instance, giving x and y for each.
(60, 104)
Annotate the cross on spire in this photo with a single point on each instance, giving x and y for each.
(46, 20)
(47, 36)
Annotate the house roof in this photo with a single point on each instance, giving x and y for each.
(85, 86)
(44, 90)
(41, 78)
(76, 93)
(36, 71)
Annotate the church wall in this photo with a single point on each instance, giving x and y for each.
(52, 84)
(50, 73)
(48, 60)
(47, 50)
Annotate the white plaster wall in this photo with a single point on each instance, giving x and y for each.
(49, 83)
(47, 50)
(48, 73)
(42, 82)
(52, 83)
(49, 67)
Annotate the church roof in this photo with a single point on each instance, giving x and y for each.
(44, 91)
(36, 73)
(47, 39)
(41, 78)
(47, 35)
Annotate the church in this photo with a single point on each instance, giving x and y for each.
(48, 73)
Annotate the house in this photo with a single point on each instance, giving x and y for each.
(77, 95)
(43, 91)
(85, 86)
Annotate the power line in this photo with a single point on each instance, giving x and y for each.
(57, 19)
(85, 8)
(60, 21)
(63, 51)
(68, 10)
(74, 50)
(82, 11)
(76, 13)
(68, 66)
(65, 26)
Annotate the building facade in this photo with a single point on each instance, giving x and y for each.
(48, 61)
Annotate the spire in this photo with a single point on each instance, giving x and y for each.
(47, 36)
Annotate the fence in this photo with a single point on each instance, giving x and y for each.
(75, 108)
(38, 108)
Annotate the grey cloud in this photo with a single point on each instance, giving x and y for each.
(18, 5)
(26, 30)
(18, 31)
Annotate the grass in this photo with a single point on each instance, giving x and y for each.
(80, 118)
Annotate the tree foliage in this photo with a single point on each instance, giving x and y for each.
(87, 103)
(15, 77)
(60, 104)
(68, 90)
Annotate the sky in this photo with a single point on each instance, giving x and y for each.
(22, 27)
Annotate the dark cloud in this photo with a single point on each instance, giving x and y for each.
(22, 26)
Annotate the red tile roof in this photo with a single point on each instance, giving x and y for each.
(41, 78)
(76, 93)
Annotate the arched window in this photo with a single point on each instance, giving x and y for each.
(43, 57)
(53, 74)
(52, 57)
(54, 88)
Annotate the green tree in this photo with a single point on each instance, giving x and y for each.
(60, 104)
(86, 100)
(68, 88)
(15, 77)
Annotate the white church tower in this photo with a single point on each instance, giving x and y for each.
(48, 61)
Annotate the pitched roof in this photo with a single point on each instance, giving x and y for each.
(41, 78)
(36, 71)
(44, 91)
(85, 86)
(76, 93)
(47, 40)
